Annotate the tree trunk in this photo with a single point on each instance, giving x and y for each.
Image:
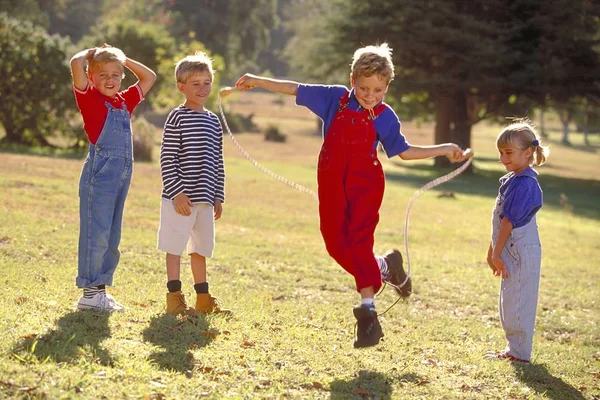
(12, 135)
(586, 129)
(461, 134)
(443, 117)
(565, 118)
(542, 125)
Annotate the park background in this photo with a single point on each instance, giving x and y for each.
(462, 68)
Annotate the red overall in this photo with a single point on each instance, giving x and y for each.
(351, 185)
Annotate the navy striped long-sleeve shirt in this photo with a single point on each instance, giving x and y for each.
(191, 156)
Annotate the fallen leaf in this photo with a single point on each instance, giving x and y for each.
(466, 388)
(21, 299)
(248, 343)
(30, 336)
(208, 334)
(318, 385)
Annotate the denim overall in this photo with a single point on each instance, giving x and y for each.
(522, 256)
(351, 185)
(103, 187)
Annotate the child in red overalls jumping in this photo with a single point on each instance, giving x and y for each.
(351, 179)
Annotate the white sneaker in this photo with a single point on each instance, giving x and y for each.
(100, 301)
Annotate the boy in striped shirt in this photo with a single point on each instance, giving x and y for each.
(193, 176)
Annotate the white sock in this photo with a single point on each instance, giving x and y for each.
(368, 302)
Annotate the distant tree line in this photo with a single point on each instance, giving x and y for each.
(465, 61)
(457, 62)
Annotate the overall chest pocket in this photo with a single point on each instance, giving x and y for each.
(121, 122)
(357, 131)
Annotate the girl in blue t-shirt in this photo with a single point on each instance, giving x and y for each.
(515, 251)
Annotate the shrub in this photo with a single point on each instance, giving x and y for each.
(239, 123)
(144, 139)
(273, 134)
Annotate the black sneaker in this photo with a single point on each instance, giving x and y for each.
(369, 330)
(396, 273)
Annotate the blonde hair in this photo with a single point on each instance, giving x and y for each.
(104, 55)
(191, 65)
(522, 135)
(371, 60)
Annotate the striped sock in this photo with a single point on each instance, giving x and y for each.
(383, 267)
(91, 291)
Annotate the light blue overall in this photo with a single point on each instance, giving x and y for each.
(103, 187)
(522, 256)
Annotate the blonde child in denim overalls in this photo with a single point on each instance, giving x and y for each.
(107, 170)
(515, 250)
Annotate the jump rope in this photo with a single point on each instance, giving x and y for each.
(226, 91)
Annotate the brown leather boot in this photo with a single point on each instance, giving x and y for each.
(206, 303)
(176, 303)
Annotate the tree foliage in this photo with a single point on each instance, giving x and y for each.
(470, 58)
(25, 10)
(72, 18)
(239, 30)
(35, 88)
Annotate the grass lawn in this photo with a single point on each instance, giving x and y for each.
(292, 331)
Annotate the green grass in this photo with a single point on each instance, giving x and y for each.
(291, 334)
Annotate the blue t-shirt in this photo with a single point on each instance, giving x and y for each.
(324, 101)
(522, 196)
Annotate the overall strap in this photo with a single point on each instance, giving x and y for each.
(344, 101)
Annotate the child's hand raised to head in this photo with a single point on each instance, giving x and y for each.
(247, 81)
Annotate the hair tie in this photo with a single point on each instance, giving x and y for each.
(536, 142)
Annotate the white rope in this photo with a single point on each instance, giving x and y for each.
(426, 187)
(225, 92)
(438, 181)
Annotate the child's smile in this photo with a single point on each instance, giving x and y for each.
(515, 160)
(107, 78)
(196, 89)
(369, 90)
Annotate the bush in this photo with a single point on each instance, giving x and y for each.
(273, 134)
(239, 123)
(144, 139)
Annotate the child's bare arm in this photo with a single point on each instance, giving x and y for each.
(146, 77)
(80, 79)
(249, 81)
(450, 150)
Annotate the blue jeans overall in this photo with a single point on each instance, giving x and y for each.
(522, 256)
(103, 187)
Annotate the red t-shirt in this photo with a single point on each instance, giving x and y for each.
(93, 110)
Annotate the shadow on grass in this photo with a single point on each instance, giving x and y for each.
(581, 194)
(366, 385)
(538, 378)
(178, 335)
(77, 333)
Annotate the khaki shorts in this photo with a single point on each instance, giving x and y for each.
(196, 230)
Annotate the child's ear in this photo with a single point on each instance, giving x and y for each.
(351, 80)
(180, 86)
